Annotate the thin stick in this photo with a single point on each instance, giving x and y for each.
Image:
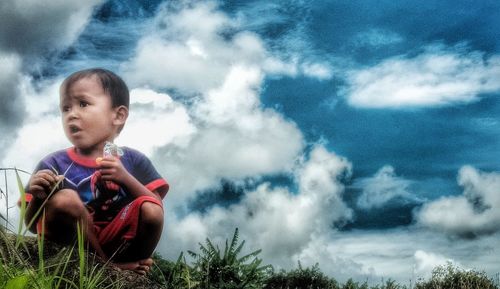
(6, 198)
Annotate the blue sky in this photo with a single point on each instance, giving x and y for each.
(360, 136)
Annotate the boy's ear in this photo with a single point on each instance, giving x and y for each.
(121, 115)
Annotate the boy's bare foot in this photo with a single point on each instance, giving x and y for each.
(140, 267)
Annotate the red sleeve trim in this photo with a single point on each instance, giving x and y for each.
(159, 185)
(29, 197)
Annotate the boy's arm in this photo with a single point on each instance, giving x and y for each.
(112, 169)
(40, 185)
(137, 189)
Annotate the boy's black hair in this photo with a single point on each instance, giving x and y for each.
(111, 83)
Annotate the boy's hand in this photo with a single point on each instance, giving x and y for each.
(42, 183)
(112, 169)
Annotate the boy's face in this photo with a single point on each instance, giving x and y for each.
(87, 115)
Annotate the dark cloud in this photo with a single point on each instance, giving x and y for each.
(34, 27)
(226, 194)
(30, 31)
(127, 9)
(11, 104)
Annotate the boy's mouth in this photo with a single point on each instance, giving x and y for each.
(74, 129)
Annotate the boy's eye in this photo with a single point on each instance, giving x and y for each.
(83, 104)
(65, 108)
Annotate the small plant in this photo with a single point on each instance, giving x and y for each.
(301, 278)
(451, 277)
(389, 284)
(170, 274)
(313, 278)
(216, 269)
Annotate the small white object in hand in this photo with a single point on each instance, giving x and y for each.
(111, 149)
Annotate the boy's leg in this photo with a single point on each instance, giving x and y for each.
(150, 226)
(139, 225)
(62, 212)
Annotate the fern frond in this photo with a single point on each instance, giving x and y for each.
(213, 251)
(234, 242)
(238, 250)
(250, 255)
(192, 254)
(226, 251)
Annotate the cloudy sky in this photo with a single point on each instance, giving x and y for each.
(363, 138)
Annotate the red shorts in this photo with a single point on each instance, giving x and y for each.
(123, 227)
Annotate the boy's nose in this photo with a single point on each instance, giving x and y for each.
(72, 114)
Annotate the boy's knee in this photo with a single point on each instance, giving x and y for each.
(66, 202)
(151, 214)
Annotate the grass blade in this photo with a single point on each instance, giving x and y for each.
(19, 238)
(40, 239)
(81, 253)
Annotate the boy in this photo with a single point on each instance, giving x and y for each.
(117, 198)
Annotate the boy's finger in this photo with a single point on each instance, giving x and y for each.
(38, 192)
(48, 176)
(43, 182)
(46, 172)
(42, 195)
(107, 162)
(109, 157)
(106, 175)
(34, 189)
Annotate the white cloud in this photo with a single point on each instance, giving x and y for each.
(280, 222)
(323, 250)
(436, 77)
(400, 254)
(317, 70)
(383, 187)
(234, 138)
(190, 55)
(377, 38)
(33, 27)
(193, 56)
(474, 213)
(236, 99)
(35, 140)
(426, 262)
(154, 117)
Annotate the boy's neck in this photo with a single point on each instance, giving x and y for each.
(93, 152)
